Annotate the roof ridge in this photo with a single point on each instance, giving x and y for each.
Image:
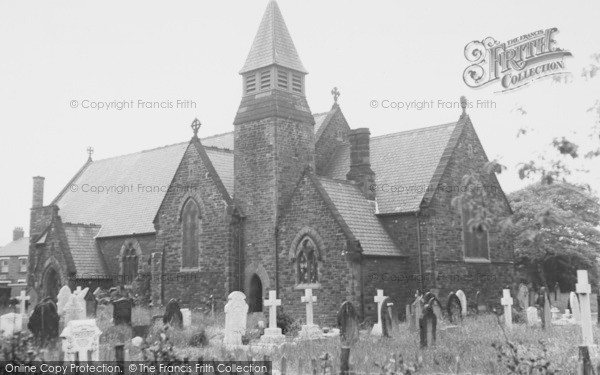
(415, 130)
(216, 135)
(82, 225)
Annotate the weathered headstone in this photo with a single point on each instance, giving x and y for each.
(557, 291)
(173, 315)
(81, 337)
(122, 311)
(44, 321)
(273, 333)
(236, 312)
(575, 309)
(523, 296)
(532, 316)
(64, 296)
(348, 322)
(11, 323)
(386, 318)
(463, 302)
(584, 290)
(507, 302)
(428, 327)
(453, 308)
(545, 303)
(481, 306)
(186, 315)
(555, 313)
(310, 330)
(379, 298)
(417, 309)
(74, 309)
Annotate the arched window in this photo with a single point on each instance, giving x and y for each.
(130, 264)
(307, 262)
(190, 217)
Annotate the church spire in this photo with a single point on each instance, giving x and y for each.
(273, 44)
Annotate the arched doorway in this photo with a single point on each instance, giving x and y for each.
(255, 298)
(51, 284)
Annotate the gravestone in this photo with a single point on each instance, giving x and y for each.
(463, 302)
(557, 291)
(173, 315)
(454, 308)
(236, 312)
(91, 305)
(545, 303)
(427, 327)
(186, 318)
(575, 309)
(584, 290)
(532, 316)
(310, 330)
(44, 321)
(122, 311)
(22, 298)
(74, 309)
(417, 310)
(11, 323)
(81, 337)
(507, 302)
(273, 333)
(348, 323)
(379, 298)
(523, 296)
(436, 305)
(386, 318)
(555, 313)
(481, 306)
(64, 296)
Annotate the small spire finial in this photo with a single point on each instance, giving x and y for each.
(195, 127)
(463, 104)
(336, 94)
(90, 151)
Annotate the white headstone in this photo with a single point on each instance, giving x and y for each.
(186, 314)
(64, 295)
(584, 289)
(236, 313)
(310, 330)
(523, 296)
(507, 302)
(273, 333)
(463, 302)
(532, 316)
(82, 337)
(575, 309)
(555, 313)
(379, 298)
(74, 309)
(11, 323)
(22, 298)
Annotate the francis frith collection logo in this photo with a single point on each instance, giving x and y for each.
(514, 63)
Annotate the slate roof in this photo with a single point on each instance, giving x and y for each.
(273, 44)
(89, 263)
(142, 178)
(359, 215)
(19, 247)
(404, 161)
(321, 121)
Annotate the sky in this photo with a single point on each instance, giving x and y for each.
(53, 54)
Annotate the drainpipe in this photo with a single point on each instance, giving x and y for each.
(420, 251)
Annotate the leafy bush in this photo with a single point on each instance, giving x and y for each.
(19, 348)
(199, 339)
(285, 322)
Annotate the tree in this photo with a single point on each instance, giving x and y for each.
(555, 232)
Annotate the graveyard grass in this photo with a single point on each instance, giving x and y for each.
(466, 348)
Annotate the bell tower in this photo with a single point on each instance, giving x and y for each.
(274, 141)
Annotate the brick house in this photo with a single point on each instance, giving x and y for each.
(13, 266)
(288, 200)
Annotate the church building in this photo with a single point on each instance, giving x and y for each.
(288, 200)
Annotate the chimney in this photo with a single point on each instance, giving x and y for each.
(360, 163)
(18, 233)
(38, 192)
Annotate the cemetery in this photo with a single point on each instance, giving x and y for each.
(555, 331)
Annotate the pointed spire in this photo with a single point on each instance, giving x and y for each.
(273, 44)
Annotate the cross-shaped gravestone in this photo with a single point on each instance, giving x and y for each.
(272, 304)
(22, 298)
(309, 299)
(379, 298)
(583, 289)
(507, 302)
(273, 333)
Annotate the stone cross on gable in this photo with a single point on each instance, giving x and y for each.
(22, 298)
(507, 302)
(308, 299)
(336, 94)
(583, 289)
(272, 304)
(90, 151)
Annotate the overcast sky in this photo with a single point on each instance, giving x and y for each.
(55, 52)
